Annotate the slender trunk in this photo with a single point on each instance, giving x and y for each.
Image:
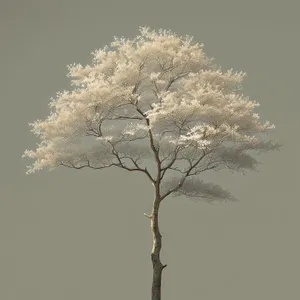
(155, 254)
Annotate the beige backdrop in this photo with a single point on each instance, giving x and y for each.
(78, 235)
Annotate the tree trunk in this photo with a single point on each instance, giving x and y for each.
(155, 254)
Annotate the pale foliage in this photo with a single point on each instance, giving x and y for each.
(156, 97)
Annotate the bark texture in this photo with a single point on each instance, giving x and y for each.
(155, 253)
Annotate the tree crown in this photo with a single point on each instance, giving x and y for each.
(157, 96)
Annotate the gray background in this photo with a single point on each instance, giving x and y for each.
(73, 235)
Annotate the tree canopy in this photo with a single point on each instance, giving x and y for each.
(158, 98)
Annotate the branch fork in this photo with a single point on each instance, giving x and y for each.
(148, 216)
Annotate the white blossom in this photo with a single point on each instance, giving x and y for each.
(159, 93)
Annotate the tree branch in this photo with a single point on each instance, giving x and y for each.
(164, 170)
(184, 177)
(148, 216)
(119, 165)
(154, 150)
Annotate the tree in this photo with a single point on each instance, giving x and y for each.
(154, 99)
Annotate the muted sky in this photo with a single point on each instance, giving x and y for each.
(77, 235)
